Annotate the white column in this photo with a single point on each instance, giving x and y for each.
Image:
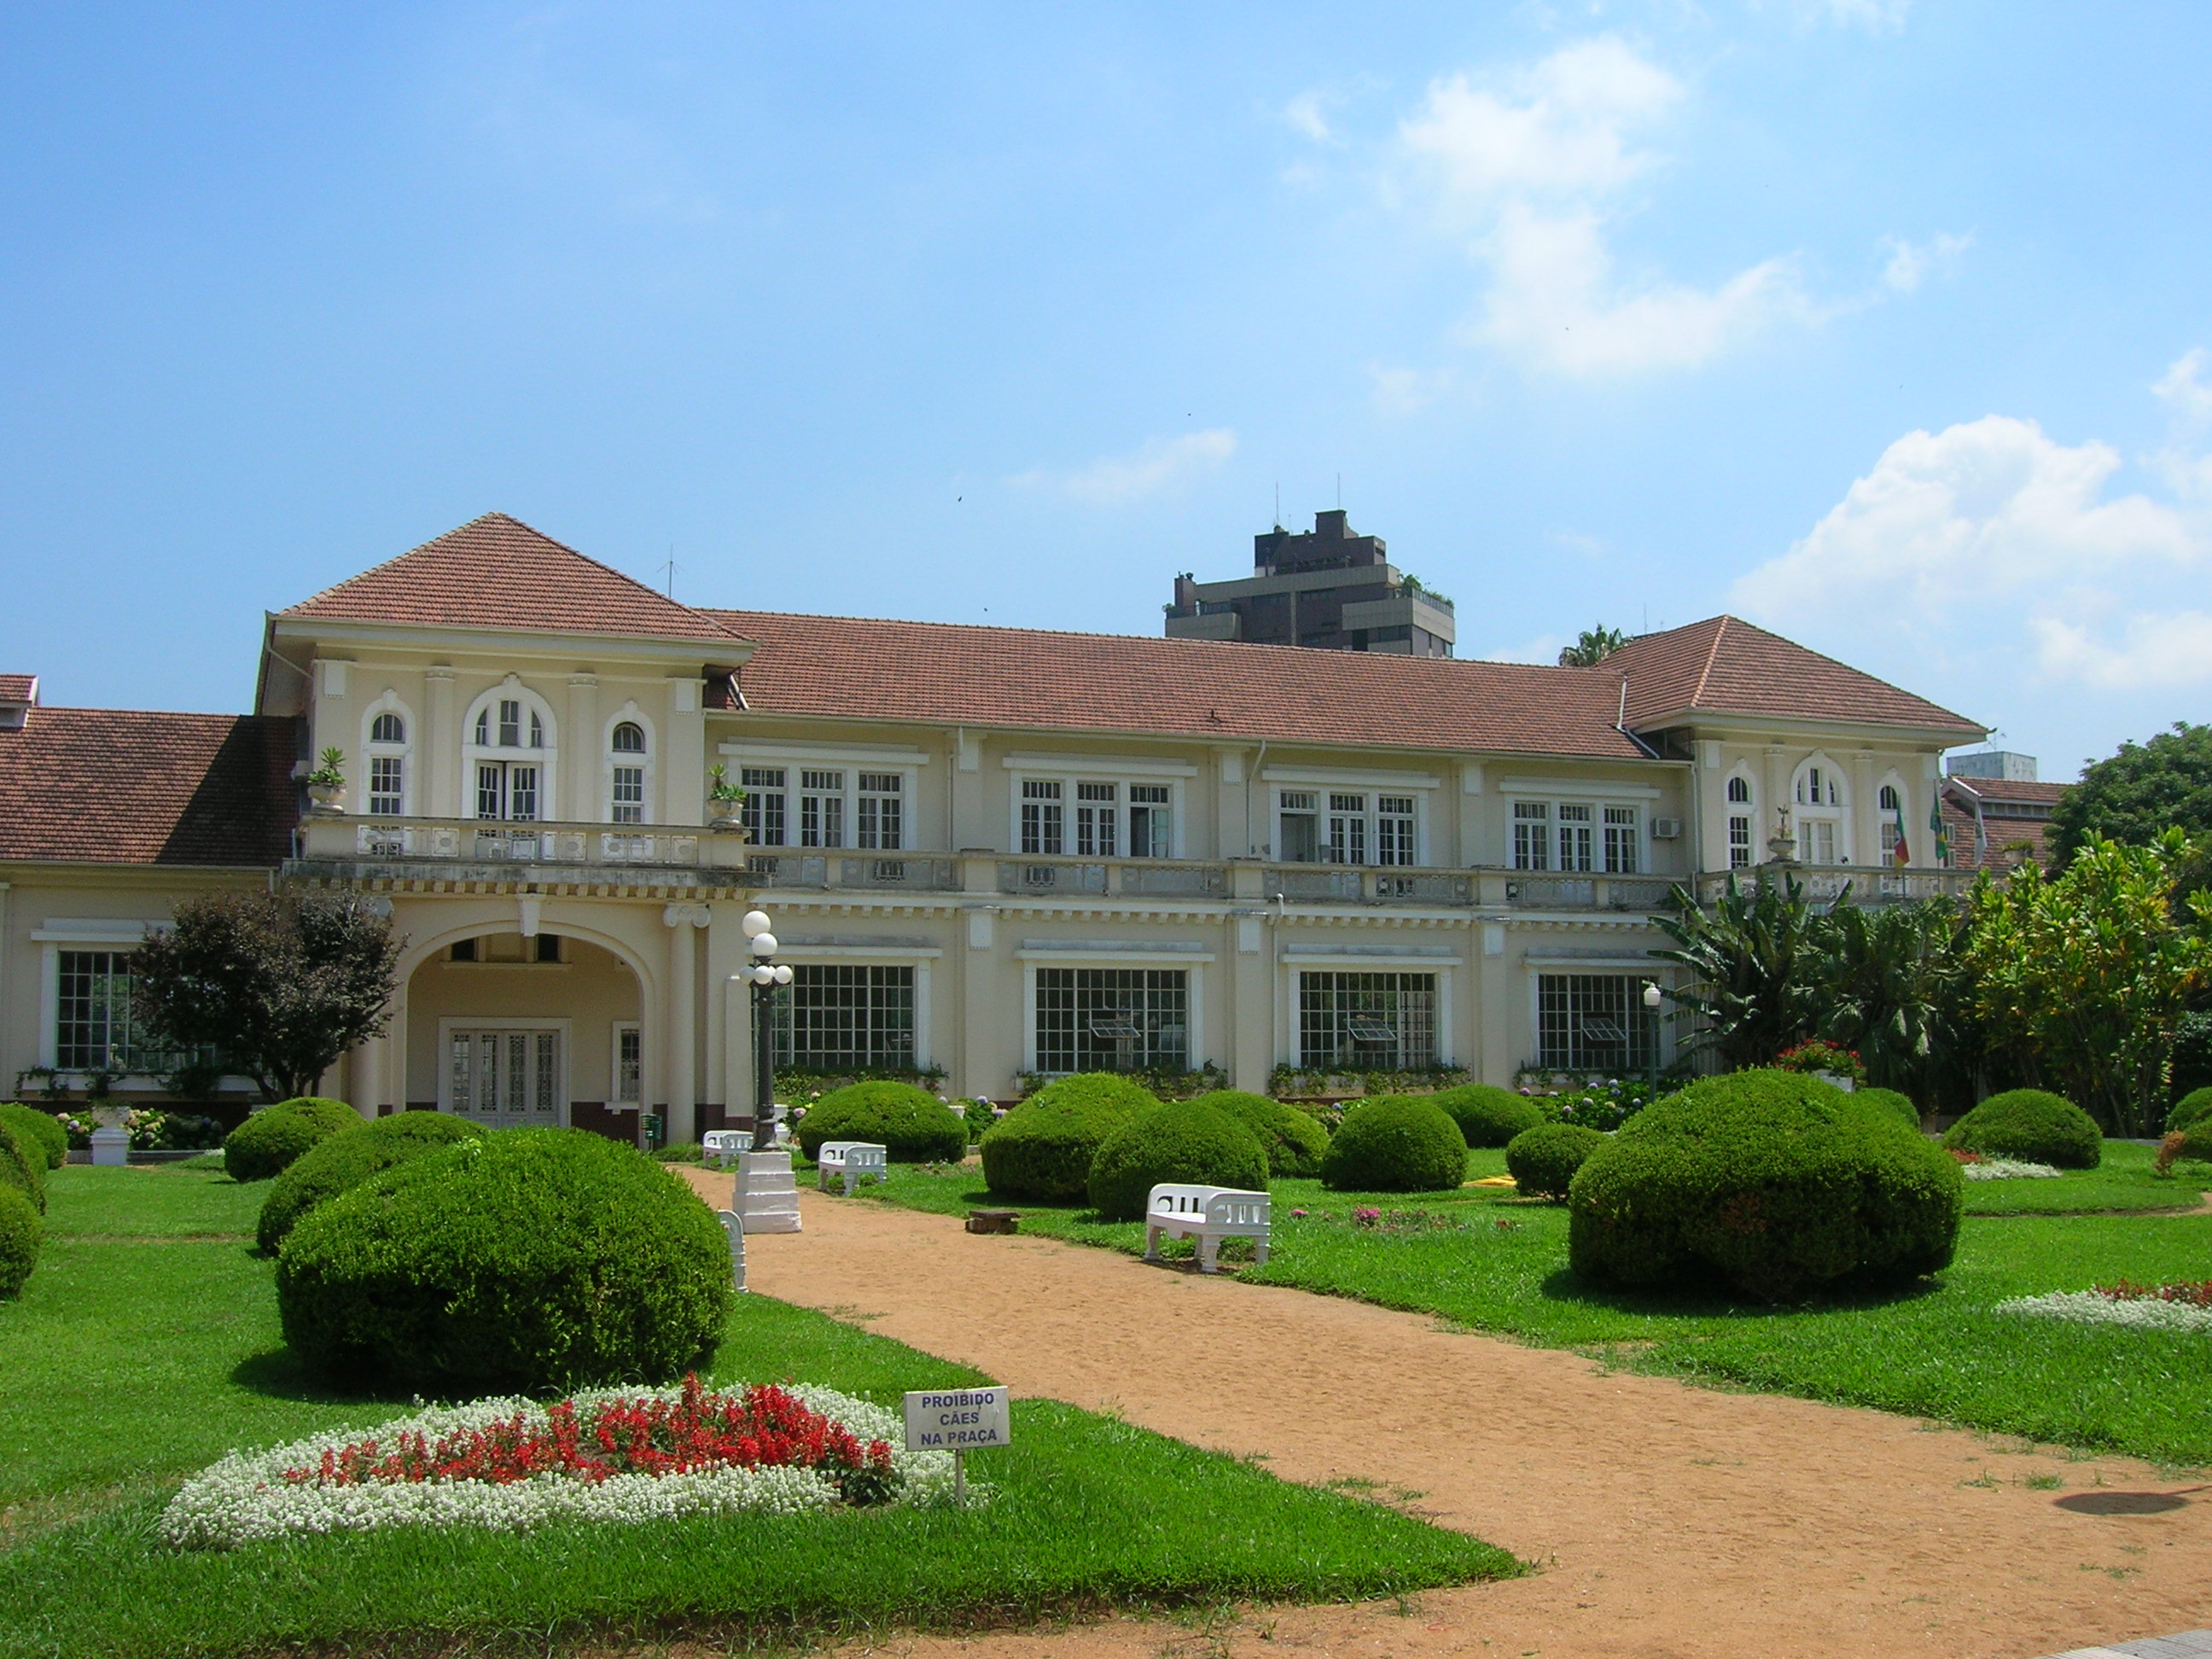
(684, 921)
(438, 754)
(580, 787)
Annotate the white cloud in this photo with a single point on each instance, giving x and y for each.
(1408, 391)
(1307, 114)
(2174, 649)
(1912, 263)
(2180, 391)
(1157, 465)
(1876, 16)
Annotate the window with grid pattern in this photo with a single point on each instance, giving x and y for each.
(1624, 841)
(882, 810)
(386, 775)
(1739, 845)
(1112, 1019)
(762, 813)
(831, 1018)
(1043, 816)
(1532, 835)
(1366, 1022)
(1594, 1023)
(94, 1029)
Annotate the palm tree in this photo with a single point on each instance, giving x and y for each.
(1893, 982)
(1592, 647)
(1752, 961)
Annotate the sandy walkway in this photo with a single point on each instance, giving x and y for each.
(1668, 1520)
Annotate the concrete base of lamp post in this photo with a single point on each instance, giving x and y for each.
(111, 1146)
(766, 1198)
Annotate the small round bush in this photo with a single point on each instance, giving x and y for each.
(23, 1167)
(1395, 1144)
(33, 1127)
(2033, 1126)
(344, 1161)
(530, 1260)
(1188, 1141)
(1294, 1140)
(1544, 1160)
(913, 1124)
(1043, 1148)
(1891, 1101)
(1488, 1116)
(1771, 1182)
(20, 1230)
(2193, 1108)
(273, 1138)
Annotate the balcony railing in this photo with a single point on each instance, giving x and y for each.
(451, 843)
(1826, 884)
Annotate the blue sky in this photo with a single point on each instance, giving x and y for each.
(1883, 322)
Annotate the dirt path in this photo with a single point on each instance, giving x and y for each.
(1667, 1519)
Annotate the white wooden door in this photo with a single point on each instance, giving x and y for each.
(506, 1078)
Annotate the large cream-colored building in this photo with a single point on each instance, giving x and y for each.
(987, 851)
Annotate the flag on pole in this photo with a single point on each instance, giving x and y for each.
(1900, 854)
(1935, 828)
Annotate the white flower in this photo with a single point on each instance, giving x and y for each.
(2093, 1308)
(2008, 1168)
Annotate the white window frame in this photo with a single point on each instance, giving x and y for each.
(1556, 830)
(850, 768)
(631, 714)
(615, 1035)
(1885, 819)
(404, 752)
(1835, 810)
(564, 1096)
(1193, 963)
(1366, 820)
(1362, 959)
(1071, 780)
(546, 759)
(918, 958)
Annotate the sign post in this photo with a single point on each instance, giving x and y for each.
(957, 1420)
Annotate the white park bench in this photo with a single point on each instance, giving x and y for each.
(723, 1145)
(1208, 1214)
(855, 1160)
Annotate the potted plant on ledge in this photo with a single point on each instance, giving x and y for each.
(723, 799)
(326, 783)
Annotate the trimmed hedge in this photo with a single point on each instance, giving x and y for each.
(1891, 1100)
(1775, 1183)
(23, 1167)
(1294, 1140)
(345, 1160)
(2193, 1108)
(20, 1232)
(1488, 1116)
(1188, 1141)
(31, 1124)
(1395, 1144)
(1544, 1160)
(529, 1260)
(276, 1137)
(1044, 1147)
(914, 1124)
(2032, 1125)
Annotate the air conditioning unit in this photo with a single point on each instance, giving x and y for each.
(1666, 828)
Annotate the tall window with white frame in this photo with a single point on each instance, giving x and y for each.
(762, 813)
(821, 808)
(1624, 841)
(880, 816)
(1594, 1022)
(840, 1017)
(1044, 816)
(387, 765)
(509, 788)
(1113, 1019)
(1892, 819)
(1820, 801)
(1532, 835)
(1150, 831)
(1097, 819)
(626, 777)
(1367, 1022)
(1739, 823)
(1583, 837)
(1347, 826)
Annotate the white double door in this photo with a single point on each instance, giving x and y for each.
(506, 1077)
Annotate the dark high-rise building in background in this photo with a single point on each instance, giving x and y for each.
(1330, 589)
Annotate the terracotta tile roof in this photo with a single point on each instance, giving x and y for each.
(18, 688)
(2006, 836)
(956, 674)
(1725, 666)
(2007, 789)
(498, 572)
(115, 785)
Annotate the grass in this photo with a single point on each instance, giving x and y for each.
(147, 1344)
(1488, 1260)
(2123, 1181)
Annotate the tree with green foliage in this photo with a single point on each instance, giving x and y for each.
(1592, 647)
(282, 985)
(2093, 969)
(2138, 795)
(1752, 961)
(1891, 983)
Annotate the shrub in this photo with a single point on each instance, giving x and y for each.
(1294, 1140)
(23, 1167)
(1544, 1160)
(528, 1260)
(344, 1161)
(2194, 1107)
(1044, 1147)
(1395, 1144)
(1188, 1141)
(1488, 1116)
(1773, 1182)
(268, 1143)
(914, 1125)
(2031, 1126)
(978, 1114)
(1891, 1101)
(40, 1129)
(681, 1152)
(20, 1230)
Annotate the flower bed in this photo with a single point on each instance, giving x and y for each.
(1980, 1166)
(604, 1455)
(2178, 1307)
(1367, 1219)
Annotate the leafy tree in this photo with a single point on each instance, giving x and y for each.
(280, 985)
(1753, 962)
(2094, 968)
(1892, 985)
(2138, 795)
(1592, 647)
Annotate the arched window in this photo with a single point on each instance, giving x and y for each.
(510, 754)
(1820, 796)
(1817, 786)
(1895, 848)
(1891, 802)
(508, 731)
(1738, 790)
(629, 738)
(1739, 823)
(626, 777)
(387, 727)
(386, 760)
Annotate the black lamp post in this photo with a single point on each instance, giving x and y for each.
(766, 974)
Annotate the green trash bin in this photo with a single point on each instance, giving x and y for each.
(656, 1130)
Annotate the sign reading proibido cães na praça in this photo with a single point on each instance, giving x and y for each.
(956, 1420)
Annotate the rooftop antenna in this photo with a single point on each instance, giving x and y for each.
(1278, 507)
(670, 568)
(1340, 492)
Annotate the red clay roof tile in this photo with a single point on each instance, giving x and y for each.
(1725, 666)
(18, 688)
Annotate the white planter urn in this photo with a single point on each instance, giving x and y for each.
(111, 1146)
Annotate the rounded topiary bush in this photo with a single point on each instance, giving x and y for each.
(529, 1260)
(2193, 1108)
(1188, 1141)
(273, 1138)
(1488, 1116)
(1890, 1100)
(1294, 1140)
(1544, 1160)
(2030, 1125)
(913, 1124)
(23, 1167)
(20, 1230)
(1395, 1144)
(1044, 1147)
(344, 1161)
(44, 1129)
(1772, 1181)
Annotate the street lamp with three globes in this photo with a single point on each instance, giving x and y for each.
(766, 974)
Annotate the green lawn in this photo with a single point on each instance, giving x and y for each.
(146, 1346)
(1487, 1259)
(2123, 1181)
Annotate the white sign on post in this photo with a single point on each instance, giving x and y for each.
(957, 1420)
